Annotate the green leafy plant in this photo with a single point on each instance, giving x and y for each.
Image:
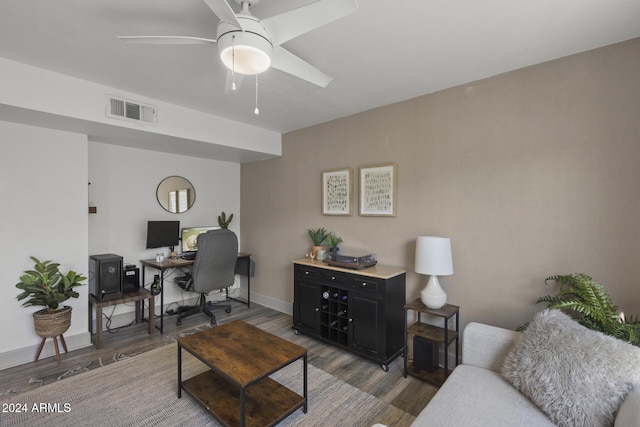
(586, 300)
(223, 221)
(332, 241)
(318, 235)
(47, 286)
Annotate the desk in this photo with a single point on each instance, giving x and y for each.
(137, 296)
(168, 263)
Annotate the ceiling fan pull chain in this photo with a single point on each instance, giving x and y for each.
(233, 64)
(256, 111)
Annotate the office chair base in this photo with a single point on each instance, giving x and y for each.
(205, 307)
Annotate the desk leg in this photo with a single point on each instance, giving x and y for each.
(152, 319)
(152, 315)
(143, 268)
(161, 302)
(249, 283)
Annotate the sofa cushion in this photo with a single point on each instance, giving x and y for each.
(629, 412)
(486, 346)
(474, 396)
(578, 376)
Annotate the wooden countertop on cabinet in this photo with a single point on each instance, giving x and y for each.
(377, 271)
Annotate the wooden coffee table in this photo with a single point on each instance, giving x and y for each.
(237, 390)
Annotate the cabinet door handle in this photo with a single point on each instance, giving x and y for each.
(317, 309)
(333, 277)
(306, 273)
(350, 320)
(364, 284)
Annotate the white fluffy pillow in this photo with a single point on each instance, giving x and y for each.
(578, 376)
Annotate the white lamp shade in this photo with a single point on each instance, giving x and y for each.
(433, 256)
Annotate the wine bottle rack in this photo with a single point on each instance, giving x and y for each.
(334, 315)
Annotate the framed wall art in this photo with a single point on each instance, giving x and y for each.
(336, 191)
(378, 190)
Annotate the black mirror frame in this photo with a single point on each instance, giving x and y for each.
(178, 183)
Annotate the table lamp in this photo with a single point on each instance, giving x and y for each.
(433, 256)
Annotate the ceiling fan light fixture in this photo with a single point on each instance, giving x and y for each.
(245, 59)
(246, 51)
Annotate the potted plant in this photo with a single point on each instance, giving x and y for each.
(586, 300)
(333, 242)
(318, 236)
(46, 286)
(223, 221)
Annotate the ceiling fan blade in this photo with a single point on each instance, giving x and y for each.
(174, 40)
(222, 9)
(230, 79)
(289, 25)
(286, 61)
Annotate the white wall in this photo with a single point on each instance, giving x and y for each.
(123, 188)
(32, 89)
(45, 173)
(43, 188)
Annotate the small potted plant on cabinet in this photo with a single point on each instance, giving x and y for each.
(333, 244)
(46, 286)
(318, 236)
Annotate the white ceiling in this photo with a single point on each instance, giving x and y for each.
(386, 52)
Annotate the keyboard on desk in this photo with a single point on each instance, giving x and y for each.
(188, 255)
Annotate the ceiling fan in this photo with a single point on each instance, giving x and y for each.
(248, 45)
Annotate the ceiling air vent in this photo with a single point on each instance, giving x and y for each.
(120, 108)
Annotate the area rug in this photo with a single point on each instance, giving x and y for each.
(142, 391)
(47, 377)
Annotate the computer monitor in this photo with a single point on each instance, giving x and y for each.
(190, 237)
(163, 234)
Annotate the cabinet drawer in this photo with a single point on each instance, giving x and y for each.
(310, 273)
(335, 278)
(364, 284)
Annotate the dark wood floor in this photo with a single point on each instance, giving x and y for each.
(408, 394)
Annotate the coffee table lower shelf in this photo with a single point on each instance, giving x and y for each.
(267, 401)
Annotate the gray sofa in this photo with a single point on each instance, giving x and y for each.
(477, 394)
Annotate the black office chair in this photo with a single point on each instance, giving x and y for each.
(214, 269)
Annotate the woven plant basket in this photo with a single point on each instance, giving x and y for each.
(49, 325)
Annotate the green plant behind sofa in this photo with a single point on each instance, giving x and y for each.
(586, 300)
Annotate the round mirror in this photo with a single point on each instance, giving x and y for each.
(176, 194)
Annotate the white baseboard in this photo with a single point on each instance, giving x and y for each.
(275, 304)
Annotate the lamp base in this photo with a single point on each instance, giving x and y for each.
(432, 295)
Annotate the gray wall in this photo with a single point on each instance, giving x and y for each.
(531, 173)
